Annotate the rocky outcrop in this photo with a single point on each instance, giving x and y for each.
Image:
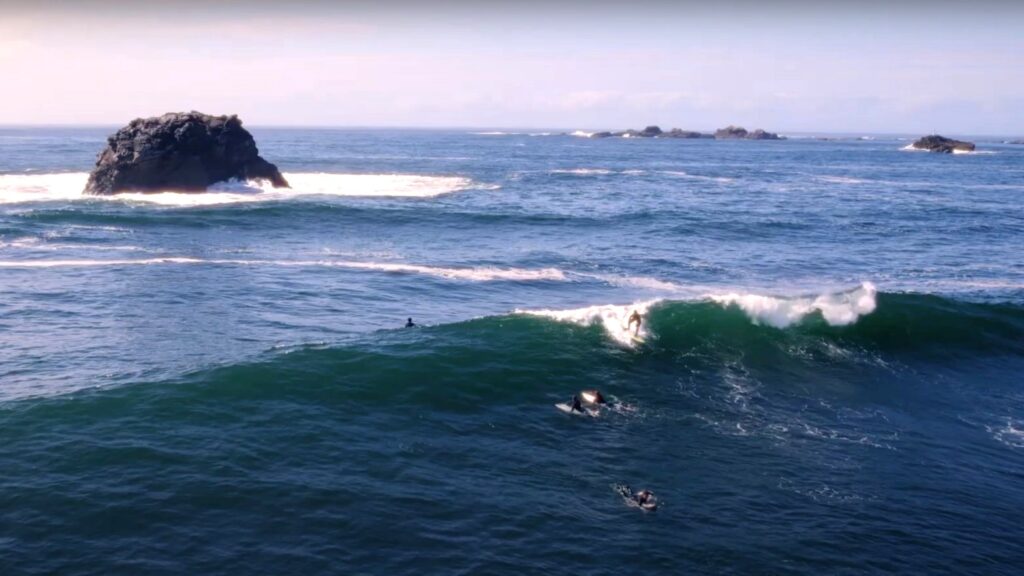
(650, 132)
(729, 133)
(762, 135)
(183, 152)
(677, 133)
(740, 133)
(936, 143)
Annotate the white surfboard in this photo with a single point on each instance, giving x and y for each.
(568, 410)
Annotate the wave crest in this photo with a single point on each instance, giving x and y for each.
(611, 317)
(838, 309)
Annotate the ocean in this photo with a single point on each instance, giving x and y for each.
(829, 382)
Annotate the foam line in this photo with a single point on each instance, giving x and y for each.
(17, 188)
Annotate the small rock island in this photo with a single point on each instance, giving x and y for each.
(727, 133)
(181, 152)
(936, 143)
(739, 133)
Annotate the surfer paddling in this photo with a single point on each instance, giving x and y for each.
(634, 317)
(644, 499)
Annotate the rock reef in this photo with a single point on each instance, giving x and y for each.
(728, 133)
(740, 133)
(936, 143)
(182, 152)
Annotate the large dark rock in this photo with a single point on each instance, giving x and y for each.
(678, 133)
(739, 133)
(650, 132)
(730, 133)
(183, 152)
(936, 143)
(762, 135)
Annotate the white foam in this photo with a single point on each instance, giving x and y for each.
(682, 174)
(481, 274)
(841, 180)
(838, 309)
(17, 188)
(1009, 435)
(94, 263)
(611, 317)
(912, 148)
(478, 274)
(581, 134)
(584, 171)
(643, 282)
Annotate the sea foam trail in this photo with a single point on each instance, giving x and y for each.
(17, 188)
(838, 309)
(477, 274)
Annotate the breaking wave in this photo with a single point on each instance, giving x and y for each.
(838, 309)
(21, 188)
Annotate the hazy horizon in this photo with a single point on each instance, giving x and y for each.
(791, 67)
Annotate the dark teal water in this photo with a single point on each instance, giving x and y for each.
(830, 382)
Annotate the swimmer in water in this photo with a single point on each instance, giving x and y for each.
(634, 317)
(409, 323)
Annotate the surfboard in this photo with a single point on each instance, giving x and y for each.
(568, 410)
(638, 339)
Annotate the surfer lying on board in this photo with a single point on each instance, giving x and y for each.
(635, 317)
(574, 405)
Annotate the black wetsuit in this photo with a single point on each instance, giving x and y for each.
(575, 405)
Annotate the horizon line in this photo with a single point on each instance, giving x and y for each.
(510, 129)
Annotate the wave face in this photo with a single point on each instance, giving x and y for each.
(222, 383)
(435, 420)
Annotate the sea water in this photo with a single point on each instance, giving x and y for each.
(829, 380)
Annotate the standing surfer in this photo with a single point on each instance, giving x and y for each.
(635, 317)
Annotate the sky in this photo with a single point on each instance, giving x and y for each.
(791, 66)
